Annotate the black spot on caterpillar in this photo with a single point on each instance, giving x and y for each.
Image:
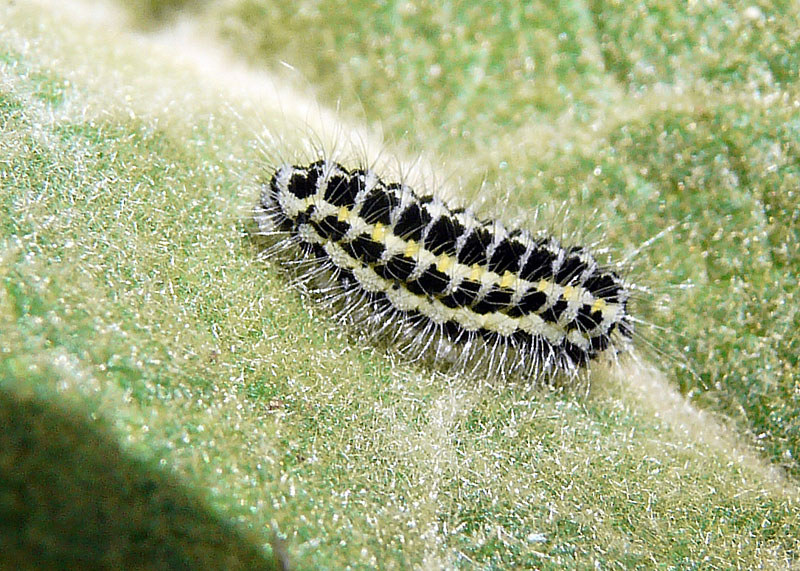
(438, 281)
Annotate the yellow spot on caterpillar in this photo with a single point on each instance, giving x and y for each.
(444, 263)
(476, 273)
(508, 279)
(379, 233)
(599, 305)
(572, 293)
(343, 215)
(543, 286)
(412, 249)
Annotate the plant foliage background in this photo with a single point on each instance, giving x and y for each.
(134, 316)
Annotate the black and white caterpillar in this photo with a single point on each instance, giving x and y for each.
(439, 282)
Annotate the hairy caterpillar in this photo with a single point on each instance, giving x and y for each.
(438, 281)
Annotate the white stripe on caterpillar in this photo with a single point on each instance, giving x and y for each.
(443, 283)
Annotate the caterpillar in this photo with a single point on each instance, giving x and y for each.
(438, 281)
